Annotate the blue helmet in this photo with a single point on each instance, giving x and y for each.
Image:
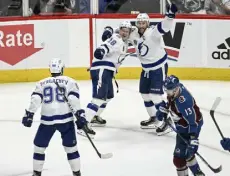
(171, 82)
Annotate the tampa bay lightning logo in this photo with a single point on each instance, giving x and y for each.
(143, 49)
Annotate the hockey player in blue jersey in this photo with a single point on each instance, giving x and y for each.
(55, 116)
(189, 122)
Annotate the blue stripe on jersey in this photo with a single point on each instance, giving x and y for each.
(74, 94)
(56, 117)
(106, 47)
(35, 93)
(103, 63)
(155, 63)
(160, 29)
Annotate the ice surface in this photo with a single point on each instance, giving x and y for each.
(136, 152)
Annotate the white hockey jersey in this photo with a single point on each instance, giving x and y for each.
(53, 107)
(115, 52)
(149, 47)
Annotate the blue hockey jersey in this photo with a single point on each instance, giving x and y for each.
(185, 107)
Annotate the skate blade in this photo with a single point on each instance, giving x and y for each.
(97, 125)
(148, 127)
(82, 133)
(164, 132)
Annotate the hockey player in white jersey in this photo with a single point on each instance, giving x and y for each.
(147, 40)
(107, 59)
(55, 115)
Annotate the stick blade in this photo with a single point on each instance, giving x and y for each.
(106, 156)
(217, 170)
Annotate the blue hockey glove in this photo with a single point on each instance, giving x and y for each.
(193, 146)
(171, 11)
(99, 53)
(27, 120)
(225, 143)
(162, 111)
(108, 32)
(81, 121)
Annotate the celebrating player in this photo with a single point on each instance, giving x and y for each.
(153, 57)
(55, 115)
(108, 57)
(188, 126)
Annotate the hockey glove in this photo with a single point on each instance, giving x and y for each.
(171, 11)
(225, 143)
(108, 32)
(99, 53)
(27, 120)
(193, 146)
(81, 121)
(162, 111)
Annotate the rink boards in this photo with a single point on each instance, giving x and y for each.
(195, 49)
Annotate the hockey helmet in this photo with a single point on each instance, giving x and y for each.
(171, 82)
(56, 66)
(125, 24)
(142, 17)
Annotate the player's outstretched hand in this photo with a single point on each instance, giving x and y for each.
(225, 143)
(171, 11)
(99, 53)
(27, 120)
(108, 32)
(81, 121)
(162, 111)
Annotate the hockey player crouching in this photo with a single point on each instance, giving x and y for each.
(107, 59)
(190, 121)
(55, 115)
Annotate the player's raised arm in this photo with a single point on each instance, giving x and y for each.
(164, 26)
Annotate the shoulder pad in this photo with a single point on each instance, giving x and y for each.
(181, 99)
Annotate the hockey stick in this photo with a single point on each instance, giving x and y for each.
(102, 156)
(169, 2)
(212, 111)
(215, 170)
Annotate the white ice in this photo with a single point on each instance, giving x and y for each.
(136, 152)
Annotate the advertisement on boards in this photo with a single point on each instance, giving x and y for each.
(31, 44)
(181, 45)
(218, 42)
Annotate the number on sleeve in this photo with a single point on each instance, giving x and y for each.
(112, 41)
(188, 111)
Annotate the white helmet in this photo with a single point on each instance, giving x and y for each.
(56, 65)
(125, 24)
(142, 17)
